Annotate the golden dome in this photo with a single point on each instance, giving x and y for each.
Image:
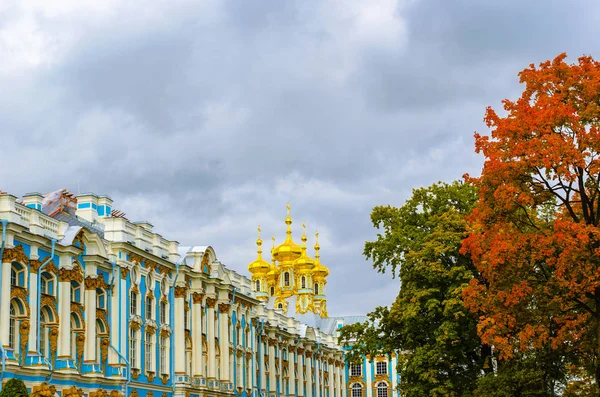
(320, 270)
(305, 263)
(288, 251)
(259, 266)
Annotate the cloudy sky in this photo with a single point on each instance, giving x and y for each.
(206, 117)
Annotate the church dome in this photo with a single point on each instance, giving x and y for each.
(288, 251)
(305, 263)
(259, 266)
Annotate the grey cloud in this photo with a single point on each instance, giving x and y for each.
(206, 120)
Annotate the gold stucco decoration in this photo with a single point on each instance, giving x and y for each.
(15, 254)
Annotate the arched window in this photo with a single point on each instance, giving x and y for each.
(75, 292)
(356, 390)
(101, 333)
(17, 313)
(76, 329)
(316, 289)
(382, 389)
(47, 283)
(17, 275)
(286, 279)
(257, 285)
(303, 282)
(272, 291)
(280, 306)
(46, 317)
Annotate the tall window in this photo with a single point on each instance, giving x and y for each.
(303, 282)
(75, 292)
(316, 289)
(355, 370)
(133, 304)
(12, 334)
(382, 389)
(45, 319)
(133, 348)
(286, 279)
(163, 312)
(188, 357)
(149, 310)
(148, 353)
(163, 355)
(17, 275)
(186, 317)
(47, 284)
(257, 285)
(100, 298)
(272, 290)
(381, 368)
(356, 390)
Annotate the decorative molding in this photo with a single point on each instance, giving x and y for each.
(24, 332)
(99, 393)
(74, 274)
(224, 307)
(124, 273)
(34, 266)
(80, 343)
(165, 333)
(134, 392)
(53, 337)
(104, 344)
(73, 392)
(22, 294)
(92, 283)
(134, 325)
(180, 292)
(211, 302)
(150, 329)
(164, 379)
(151, 378)
(197, 297)
(135, 374)
(15, 254)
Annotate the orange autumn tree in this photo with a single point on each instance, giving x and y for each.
(534, 234)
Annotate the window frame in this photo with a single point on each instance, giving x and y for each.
(383, 365)
(353, 371)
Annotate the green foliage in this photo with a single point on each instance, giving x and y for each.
(14, 388)
(441, 354)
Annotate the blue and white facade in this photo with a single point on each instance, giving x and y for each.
(93, 304)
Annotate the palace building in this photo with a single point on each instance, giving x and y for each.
(94, 304)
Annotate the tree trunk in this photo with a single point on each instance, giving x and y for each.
(597, 355)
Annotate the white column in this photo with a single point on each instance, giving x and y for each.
(367, 370)
(249, 376)
(179, 331)
(331, 366)
(261, 362)
(197, 334)
(292, 377)
(317, 369)
(300, 358)
(394, 375)
(115, 312)
(64, 313)
(210, 338)
(90, 321)
(33, 305)
(5, 305)
(272, 378)
(240, 364)
(224, 341)
(340, 386)
(309, 361)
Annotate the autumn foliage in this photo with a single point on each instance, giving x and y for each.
(534, 234)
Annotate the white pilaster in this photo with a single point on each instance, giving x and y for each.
(367, 365)
(272, 378)
(309, 383)
(179, 331)
(5, 305)
(300, 358)
(90, 320)
(224, 341)
(198, 369)
(64, 313)
(33, 305)
(210, 336)
(292, 377)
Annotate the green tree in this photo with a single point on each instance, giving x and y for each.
(440, 353)
(14, 388)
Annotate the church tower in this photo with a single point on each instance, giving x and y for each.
(293, 282)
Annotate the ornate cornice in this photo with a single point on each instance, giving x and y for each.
(92, 283)
(35, 265)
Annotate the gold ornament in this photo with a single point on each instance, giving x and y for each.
(15, 254)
